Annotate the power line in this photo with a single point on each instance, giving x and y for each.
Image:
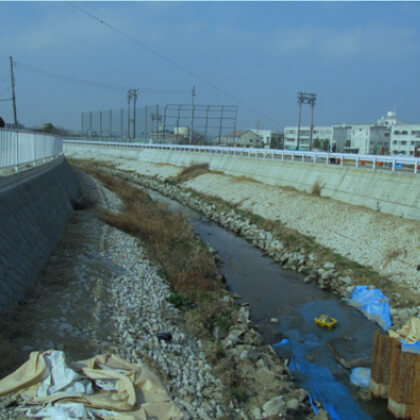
(66, 78)
(170, 61)
(93, 83)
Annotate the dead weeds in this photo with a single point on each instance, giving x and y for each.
(190, 172)
(167, 237)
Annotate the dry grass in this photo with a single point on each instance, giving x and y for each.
(289, 188)
(245, 179)
(190, 172)
(392, 255)
(167, 237)
(316, 189)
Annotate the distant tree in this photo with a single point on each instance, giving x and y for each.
(316, 144)
(49, 128)
(2, 124)
(325, 145)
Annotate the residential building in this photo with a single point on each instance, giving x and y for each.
(269, 137)
(404, 139)
(241, 138)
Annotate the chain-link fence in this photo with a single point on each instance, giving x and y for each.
(118, 124)
(175, 123)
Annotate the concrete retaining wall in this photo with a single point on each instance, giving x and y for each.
(396, 193)
(33, 214)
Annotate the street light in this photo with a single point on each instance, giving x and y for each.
(306, 98)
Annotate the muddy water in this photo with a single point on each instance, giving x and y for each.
(273, 292)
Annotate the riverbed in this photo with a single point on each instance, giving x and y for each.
(283, 307)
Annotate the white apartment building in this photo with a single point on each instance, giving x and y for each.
(404, 139)
(367, 139)
(388, 135)
(327, 133)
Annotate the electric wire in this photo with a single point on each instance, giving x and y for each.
(170, 61)
(92, 83)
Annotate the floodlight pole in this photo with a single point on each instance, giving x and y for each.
(192, 114)
(306, 98)
(300, 102)
(312, 101)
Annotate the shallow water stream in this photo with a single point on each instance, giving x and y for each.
(273, 292)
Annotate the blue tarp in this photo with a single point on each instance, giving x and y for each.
(373, 303)
(410, 348)
(322, 385)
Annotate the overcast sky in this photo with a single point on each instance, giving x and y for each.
(361, 58)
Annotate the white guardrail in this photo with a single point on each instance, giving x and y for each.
(393, 163)
(19, 148)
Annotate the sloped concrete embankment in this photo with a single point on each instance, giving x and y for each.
(393, 193)
(33, 215)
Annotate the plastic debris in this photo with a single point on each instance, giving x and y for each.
(409, 336)
(325, 321)
(373, 303)
(45, 381)
(166, 336)
(410, 348)
(360, 377)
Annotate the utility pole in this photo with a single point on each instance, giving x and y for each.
(128, 113)
(12, 79)
(134, 112)
(145, 122)
(192, 114)
(132, 94)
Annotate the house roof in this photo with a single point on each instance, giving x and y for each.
(238, 133)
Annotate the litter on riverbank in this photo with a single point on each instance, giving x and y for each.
(106, 385)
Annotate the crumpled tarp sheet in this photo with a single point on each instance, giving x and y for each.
(106, 384)
(322, 385)
(409, 335)
(360, 377)
(373, 303)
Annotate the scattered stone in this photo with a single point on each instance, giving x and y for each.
(292, 404)
(275, 407)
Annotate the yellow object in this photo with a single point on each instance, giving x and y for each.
(325, 321)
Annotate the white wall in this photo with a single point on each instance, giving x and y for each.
(390, 192)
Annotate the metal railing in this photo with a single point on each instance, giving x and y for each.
(393, 163)
(21, 148)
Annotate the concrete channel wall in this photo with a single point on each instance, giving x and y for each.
(34, 210)
(396, 193)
